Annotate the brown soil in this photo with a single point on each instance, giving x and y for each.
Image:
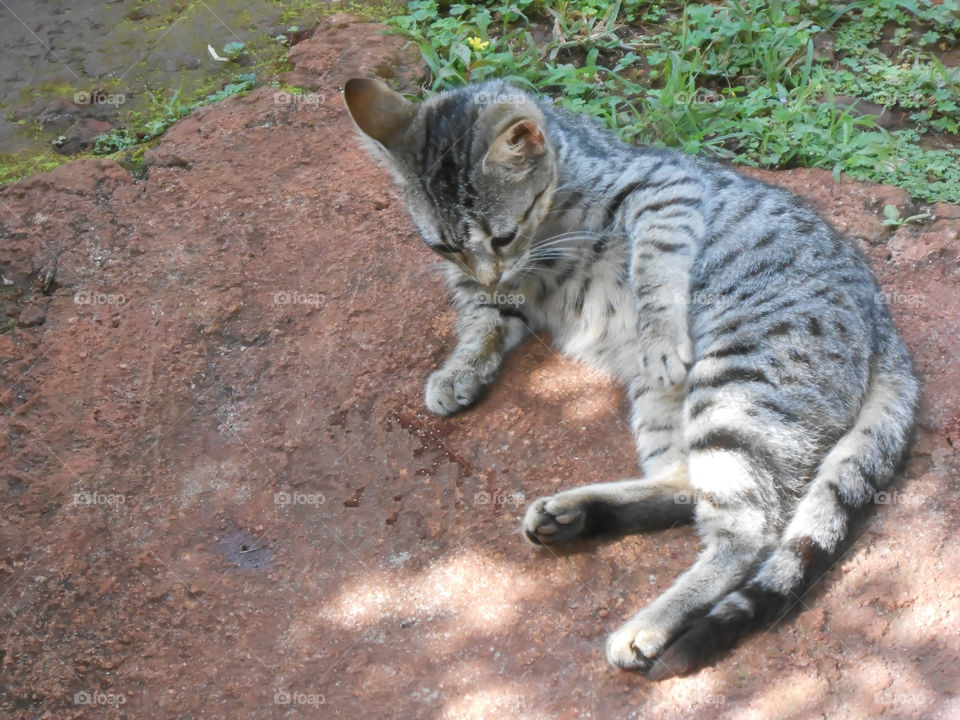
(222, 498)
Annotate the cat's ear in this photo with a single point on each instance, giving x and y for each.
(378, 111)
(514, 151)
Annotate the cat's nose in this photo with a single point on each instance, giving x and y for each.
(488, 271)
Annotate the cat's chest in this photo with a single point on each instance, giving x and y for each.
(590, 313)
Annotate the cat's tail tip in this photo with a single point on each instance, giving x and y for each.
(711, 636)
(701, 644)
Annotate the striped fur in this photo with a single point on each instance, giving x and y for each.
(771, 395)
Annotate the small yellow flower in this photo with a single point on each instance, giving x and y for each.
(477, 44)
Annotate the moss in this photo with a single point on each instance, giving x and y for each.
(17, 167)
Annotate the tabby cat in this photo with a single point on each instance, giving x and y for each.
(771, 394)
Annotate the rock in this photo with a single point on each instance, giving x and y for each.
(34, 314)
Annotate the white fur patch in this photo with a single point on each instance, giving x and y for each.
(726, 475)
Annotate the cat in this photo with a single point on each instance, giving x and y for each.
(771, 395)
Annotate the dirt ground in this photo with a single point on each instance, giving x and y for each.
(221, 496)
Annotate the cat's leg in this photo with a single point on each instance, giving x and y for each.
(610, 508)
(484, 336)
(661, 499)
(663, 220)
(736, 534)
(656, 418)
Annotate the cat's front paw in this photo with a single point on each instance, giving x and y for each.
(667, 361)
(452, 389)
(553, 520)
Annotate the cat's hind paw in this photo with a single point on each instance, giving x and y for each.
(634, 647)
(549, 521)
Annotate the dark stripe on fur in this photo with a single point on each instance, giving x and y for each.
(732, 375)
(723, 439)
(658, 206)
(736, 349)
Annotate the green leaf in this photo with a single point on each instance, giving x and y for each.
(233, 49)
(891, 215)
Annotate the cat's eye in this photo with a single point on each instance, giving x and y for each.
(501, 241)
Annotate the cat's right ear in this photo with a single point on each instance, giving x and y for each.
(514, 151)
(381, 113)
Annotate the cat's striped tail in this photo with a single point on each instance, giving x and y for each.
(860, 465)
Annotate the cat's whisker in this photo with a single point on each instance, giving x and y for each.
(570, 239)
(557, 254)
(572, 233)
(429, 268)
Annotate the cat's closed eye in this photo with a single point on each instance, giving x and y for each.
(502, 241)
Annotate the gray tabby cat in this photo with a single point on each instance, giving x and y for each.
(768, 384)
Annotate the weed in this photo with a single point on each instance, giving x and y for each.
(891, 217)
(742, 80)
(232, 50)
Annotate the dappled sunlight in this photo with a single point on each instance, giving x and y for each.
(483, 593)
(584, 392)
(491, 697)
(695, 693)
(797, 695)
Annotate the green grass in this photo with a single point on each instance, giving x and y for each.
(762, 83)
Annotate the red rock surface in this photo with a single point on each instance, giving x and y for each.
(222, 498)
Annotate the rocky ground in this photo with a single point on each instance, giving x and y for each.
(221, 497)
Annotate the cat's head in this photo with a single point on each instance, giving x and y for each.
(475, 166)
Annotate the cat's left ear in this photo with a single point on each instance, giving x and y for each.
(378, 111)
(515, 150)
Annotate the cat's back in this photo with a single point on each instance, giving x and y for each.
(779, 298)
